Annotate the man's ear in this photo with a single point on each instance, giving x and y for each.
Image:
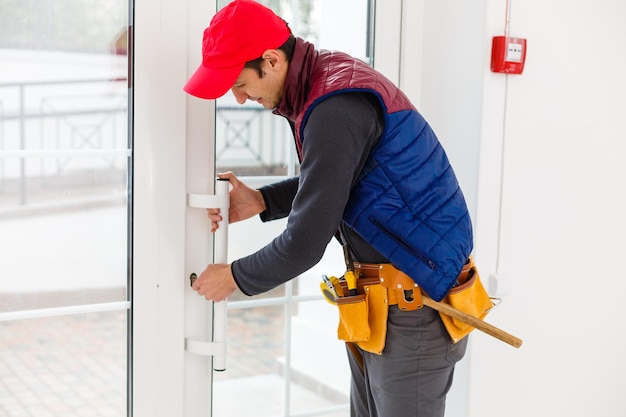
(274, 57)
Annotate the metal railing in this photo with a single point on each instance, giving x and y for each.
(61, 142)
(66, 142)
(252, 141)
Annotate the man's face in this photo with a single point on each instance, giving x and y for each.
(266, 90)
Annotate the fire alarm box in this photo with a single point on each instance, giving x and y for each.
(508, 55)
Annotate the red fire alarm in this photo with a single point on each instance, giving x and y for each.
(508, 55)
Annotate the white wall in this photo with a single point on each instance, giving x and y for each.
(548, 191)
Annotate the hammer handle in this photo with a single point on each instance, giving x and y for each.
(472, 321)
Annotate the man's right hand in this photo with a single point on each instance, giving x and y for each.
(245, 202)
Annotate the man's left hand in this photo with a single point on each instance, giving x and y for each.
(216, 282)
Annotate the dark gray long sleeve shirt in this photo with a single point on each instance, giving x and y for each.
(339, 135)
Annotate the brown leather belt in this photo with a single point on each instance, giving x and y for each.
(401, 289)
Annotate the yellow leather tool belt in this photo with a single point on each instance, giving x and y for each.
(363, 317)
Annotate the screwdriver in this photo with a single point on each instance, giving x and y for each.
(350, 276)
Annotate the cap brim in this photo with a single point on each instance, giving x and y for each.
(212, 83)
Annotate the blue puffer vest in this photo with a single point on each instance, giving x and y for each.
(407, 202)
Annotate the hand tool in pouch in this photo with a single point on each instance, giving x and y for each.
(350, 275)
(328, 289)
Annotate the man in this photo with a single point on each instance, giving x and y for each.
(372, 173)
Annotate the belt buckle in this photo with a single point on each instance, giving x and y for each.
(408, 293)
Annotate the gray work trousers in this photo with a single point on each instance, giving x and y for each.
(414, 372)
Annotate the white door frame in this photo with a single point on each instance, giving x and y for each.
(169, 127)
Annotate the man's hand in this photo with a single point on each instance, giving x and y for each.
(216, 282)
(245, 202)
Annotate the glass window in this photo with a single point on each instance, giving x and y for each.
(64, 153)
(64, 204)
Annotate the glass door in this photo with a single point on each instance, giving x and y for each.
(283, 355)
(64, 204)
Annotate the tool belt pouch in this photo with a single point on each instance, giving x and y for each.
(353, 314)
(469, 297)
(369, 331)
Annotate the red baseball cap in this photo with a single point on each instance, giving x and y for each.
(238, 33)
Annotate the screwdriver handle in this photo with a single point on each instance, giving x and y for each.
(351, 281)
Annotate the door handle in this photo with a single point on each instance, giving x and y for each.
(216, 347)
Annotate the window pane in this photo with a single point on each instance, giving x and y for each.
(251, 141)
(72, 257)
(256, 345)
(64, 152)
(64, 176)
(309, 368)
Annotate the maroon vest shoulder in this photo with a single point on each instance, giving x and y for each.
(336, 71)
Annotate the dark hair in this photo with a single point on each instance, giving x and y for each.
(286, 47)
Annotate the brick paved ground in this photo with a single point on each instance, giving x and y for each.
(75, 366)
(64, 366)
